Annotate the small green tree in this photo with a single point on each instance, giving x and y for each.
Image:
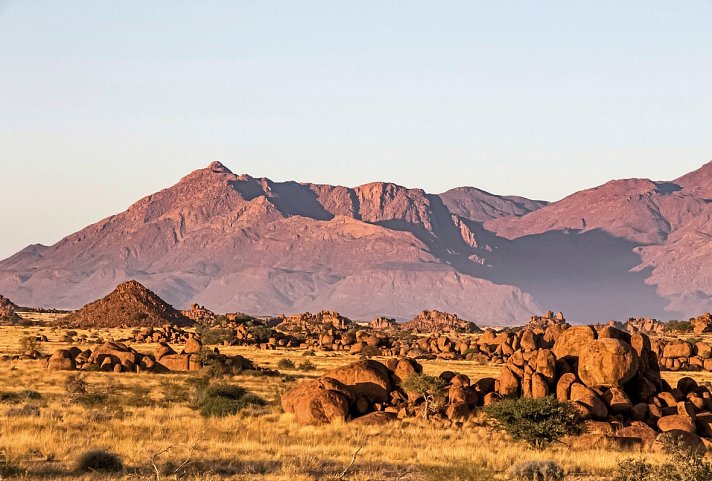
(539, 422)
(260, 333)
(428, 387)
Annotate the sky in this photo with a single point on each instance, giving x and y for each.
(104, 102)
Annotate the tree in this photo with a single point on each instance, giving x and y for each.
(428, 387)
(539, 422)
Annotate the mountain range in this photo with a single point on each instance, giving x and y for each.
(631, 247)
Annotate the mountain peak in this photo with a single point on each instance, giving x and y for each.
(218, 167)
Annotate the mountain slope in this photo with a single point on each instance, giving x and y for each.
(238, 243)
(666, 226)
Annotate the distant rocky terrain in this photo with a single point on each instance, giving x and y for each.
(629, 248)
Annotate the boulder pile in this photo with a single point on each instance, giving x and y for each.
(645, 325)
(168, 333)
(369, 392)
(383, 323)
(7, 310)
(613, 378)
(436, 321)
(546, 320)
(702, 323)
(118, 357)
(199, 314)
(309, 323)
(683, 356)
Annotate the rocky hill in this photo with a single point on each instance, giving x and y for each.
(629, 248)
(7, 309)
(129, 305)
(436, 321)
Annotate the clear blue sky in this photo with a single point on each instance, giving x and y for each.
(102, 102)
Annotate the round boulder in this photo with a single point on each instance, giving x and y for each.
(368, 378)
(573, 341)
(318, 402)
(607, 362)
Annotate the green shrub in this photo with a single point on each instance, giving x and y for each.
(537, 471)
(678, 326)
(539, 422)
(214, 336)
(309, 353)
(307, 366)
(285, 364)
(220, 400)
(99, 461)
(260, 333)
(683, 465)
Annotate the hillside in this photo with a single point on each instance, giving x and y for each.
(129, 305)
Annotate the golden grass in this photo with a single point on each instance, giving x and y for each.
(262, 444)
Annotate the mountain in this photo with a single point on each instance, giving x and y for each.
(628, 248)
(636, 245)
(238, 243)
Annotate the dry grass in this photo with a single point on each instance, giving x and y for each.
(147, 414)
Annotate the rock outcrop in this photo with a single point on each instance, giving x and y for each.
(613, 378)
(437, 321)
(7, 310)
(118, 357)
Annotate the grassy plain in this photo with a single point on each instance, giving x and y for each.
(148, 421)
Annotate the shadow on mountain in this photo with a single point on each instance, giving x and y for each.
(586, 275)
(444, 241)
(291, 198)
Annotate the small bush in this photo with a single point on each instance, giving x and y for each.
(537, 471)
(78, 391)
(684, 465)
(285, 364)
(539, 422)
(307, 366)
(309, 353)
(7, 469)
(28, 410)
(99, 461)
(9, 397)
(220, 400)
(29, 344)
